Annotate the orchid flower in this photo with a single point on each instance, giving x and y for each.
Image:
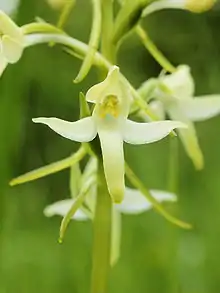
(175, 96)
(196, 6)
(109, 120)
(11, 41)
(134, 203)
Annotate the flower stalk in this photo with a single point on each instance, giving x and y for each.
(153, 50)
(102, 235)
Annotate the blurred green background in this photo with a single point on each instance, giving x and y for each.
(156, 256)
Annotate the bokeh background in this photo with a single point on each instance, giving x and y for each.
(156, 256)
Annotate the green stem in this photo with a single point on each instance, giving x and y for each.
(108, 48)
(153, 50)
(102, 235)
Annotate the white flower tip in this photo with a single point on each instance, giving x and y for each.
(49, 212)
(36, 120)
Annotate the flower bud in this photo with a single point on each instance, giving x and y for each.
(199, 6)
(57, 4)
(196, 6)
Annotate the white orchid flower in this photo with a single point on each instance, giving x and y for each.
(109, 120)
(196, 6)
(134, 203)
(178, 101)
(11, 41)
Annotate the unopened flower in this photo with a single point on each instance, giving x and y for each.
(58, 4)
(134, 203)
(175, 95)
(196, 6)
(109, 120)
(11, 41)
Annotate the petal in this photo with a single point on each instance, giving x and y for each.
(135, 202)
(180, 82)
(9, 6)
(190, 141)
(11, 49)
(115, 237)
(202, 108)
(113, 160)
(62, 207)
(8, 27)
(83, 130)
(188, 137)
(163, 4)
(110, 86)
(3, 64)
(141, 133)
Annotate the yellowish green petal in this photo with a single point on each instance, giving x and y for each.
(8, 27)
(110, 86)
(11, 49)
(50, 169)
(93, 42)
(188, 137)
(3, 64)
(201, 108)
(113, 160)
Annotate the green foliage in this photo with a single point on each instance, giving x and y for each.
(156, 256)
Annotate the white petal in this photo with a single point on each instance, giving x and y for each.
(201, 108)
(115, 237)
(163, 4)
(188, 137)
(135, 202)
(9, 6)
(11, 49)
(83, 130)
(180, 83)
(8, 27)
(3, 64)
(141, 133)
(110, 86)
(113, 159)
(62, 207)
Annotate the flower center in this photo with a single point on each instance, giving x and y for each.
(109, 106)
